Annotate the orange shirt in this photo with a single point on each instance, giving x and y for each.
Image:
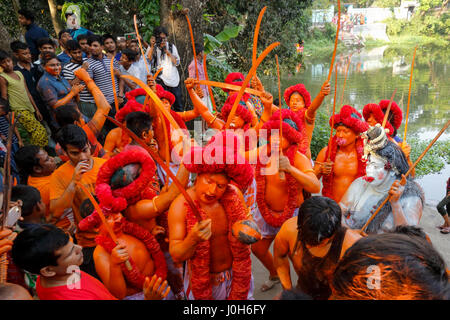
(43, 186)
(81, 205)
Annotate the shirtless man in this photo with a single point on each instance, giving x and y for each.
(343, 164)
(314, 241)
(279, 197)
(298, 100)
(218, 266)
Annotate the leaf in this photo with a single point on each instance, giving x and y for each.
(229, 33)
(210, 43)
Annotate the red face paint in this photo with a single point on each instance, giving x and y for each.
(368, 179)
(52, 71)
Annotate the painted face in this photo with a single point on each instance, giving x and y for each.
(69, 255)
(76, 155)
(210, 187)
(47, 164)
(296, 102)
(166, 103)
(345, 136)
(376, 174)
(23, 55)
(110, 45)
(115, 222)
(274, 140)
(53, 67)
(77, 55)
(7, 65)
(372, 121)
(237, 122)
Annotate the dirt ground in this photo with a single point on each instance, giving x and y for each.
(430, 219)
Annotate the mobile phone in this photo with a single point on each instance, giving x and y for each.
(14, 215)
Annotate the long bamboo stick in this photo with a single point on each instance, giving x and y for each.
(409, 98)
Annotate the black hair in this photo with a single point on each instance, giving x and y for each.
(66, 115)
(47, 57)
(412, 231)
(399, 267)
(94, 38)
(294, 294)
(395, 156)
(43, 41)
(318, 218)
(72, 45)
(4, 104)
(199, 47)
(138, 122)
(27, 14)
(82, 37)
(158, 30)
(34, 248)
(18, 45)
(73, 135)
(131, 55)
(26, 159)
(107, 36)
(62, 32)
(4, 55)
(29, 195)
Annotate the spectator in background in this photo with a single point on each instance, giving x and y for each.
(45, 45)
(166, 56)
(86, 104)
(121, 44)
(73, 26)
(110, 47)
(83, 42)
(31, 74)
(63, 37)
(130, 65)
(33, 208)
(34, 32)
(201, 74)
(14, 89)
(445, 203)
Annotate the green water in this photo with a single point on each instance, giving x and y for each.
(374, 75)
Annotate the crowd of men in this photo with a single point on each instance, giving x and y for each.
(135, 209)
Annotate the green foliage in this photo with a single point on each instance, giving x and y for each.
(394, 26)
(149, 11)
(436, 158)
(321, 134)
(211, 43)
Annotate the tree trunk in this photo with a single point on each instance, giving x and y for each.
(57, 23)
(175, 23)
(5, 38)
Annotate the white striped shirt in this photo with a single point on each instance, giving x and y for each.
(68, 73)
(99, 70)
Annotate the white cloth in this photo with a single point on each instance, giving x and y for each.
(137, 69)
(169, 73)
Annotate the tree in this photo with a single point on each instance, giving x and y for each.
(57, 23)
(172, 17)
(5, 38)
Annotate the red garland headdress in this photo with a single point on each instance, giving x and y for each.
(328, 180)
(216, 158)
(293, 135)
(376, 111)
(351, 119)
(118, 200)
(133, 94)
(241, 109)
(235, 78)
(131, 106)
(397, 113)
(200, 261)
(300, 88)
(163, 94)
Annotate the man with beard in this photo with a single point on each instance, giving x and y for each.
(340, 162)
(386, 165)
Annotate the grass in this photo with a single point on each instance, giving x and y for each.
(408, 41)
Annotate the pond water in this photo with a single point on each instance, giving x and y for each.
(373, 75)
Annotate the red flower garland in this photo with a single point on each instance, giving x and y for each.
(300, 89)
(328, 180)
(241, 266)
(396, 112)
(272, 217)
(135, 277)
(377, 112)
(235, 78)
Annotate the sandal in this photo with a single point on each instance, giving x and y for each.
(445, 230)
(270, 283)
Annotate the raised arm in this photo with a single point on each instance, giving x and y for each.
(311, 111)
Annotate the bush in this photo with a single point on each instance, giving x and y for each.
(394, 26)
(436, 158)
(321, 134)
